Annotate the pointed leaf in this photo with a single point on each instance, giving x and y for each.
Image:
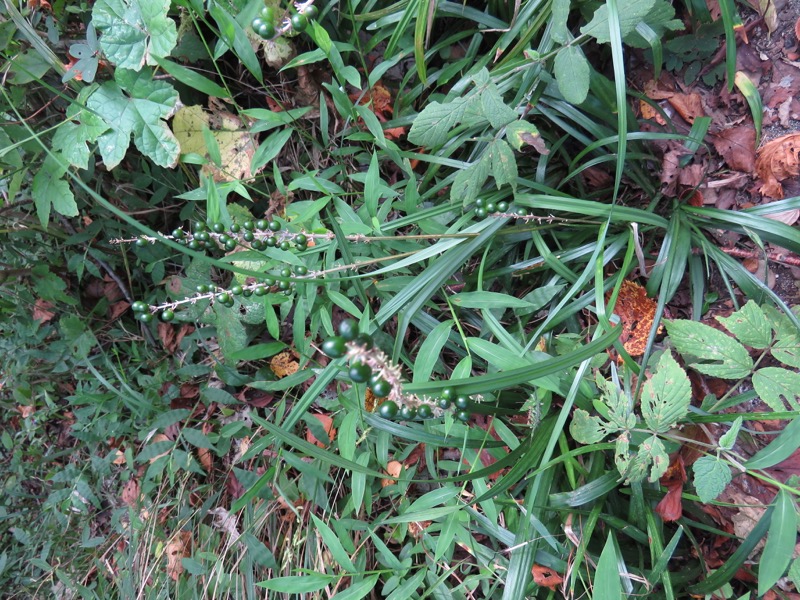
(572, 74)
(50, 191)
(711, 477)
(432, 126)
(780, 543)
(779, 449)
(718, 354)
(631, 12)
(494, 109)
(607, 584)
(728, 439)
(776, 386)
(749, 325)
(666, 395)
(469, 182)
(504, 165)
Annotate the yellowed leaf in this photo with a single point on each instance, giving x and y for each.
(283, 364)
(178, 547)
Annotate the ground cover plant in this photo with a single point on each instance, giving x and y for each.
(398, 299)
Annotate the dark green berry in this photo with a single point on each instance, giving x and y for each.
(249, 225)
(301, 270)
(230, 245)
(424, 411)
(365, 340)
(262, 224)
(481, 213)
(448, 393)
(224, 298)
(271, 241)
(141, 242)
(300, 240)
(248, 236)
(235, 228)
(258, 245)
(274, 226)
(462, 416)
(388, 410)
(379, 386)
(310, 12)
(286, 272)
(139, 306)
(202, 236)
(202, 289)
(461, 402)
(443, 403)
(284, 245)
(479, 202)
(247, 292)
(299, 22)
(267, 14)
(284, 285)
(217, 227)
(167, 315)
(236, 290)
(193, 245)
(261, 291)
(335, 347)
(491, 207)
(360, 372)
(178, 234)
(269, 281)
(348, 329)
(198, 226)
(145, 317)
(502, 206)
(408, 413)
(266, 31)
(522, 212)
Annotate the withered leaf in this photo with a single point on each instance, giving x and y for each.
(636, 313)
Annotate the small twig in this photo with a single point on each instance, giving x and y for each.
(777, 257)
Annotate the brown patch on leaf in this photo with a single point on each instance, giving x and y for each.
(636, 312)
(777, 161)
(737, 145)
(41, 311)
(546, 577)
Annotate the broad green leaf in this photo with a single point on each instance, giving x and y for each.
(631, 12)
(776, 386)
(50, 191)
(298, 584)
(787, 349)
(607, 584)
(616, 405)
(357, 590)
(572, 74)
(558, 19)
(135, 32)
(231, 334)
(717, 354)
(521, 133)
(469, 182)
(587, 429)
(749, 325)
(780, 543)
(135, 104)
(728, 439)
(650, 455)
(430, 351)
(666, 395)
(432, 126)
(711, 476)
(779, 449)
(494, 109)
(197, 438)
(504, 165)
(488, 300)
(80, 127)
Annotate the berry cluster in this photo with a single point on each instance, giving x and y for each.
(371, 366)
(271, 23)
(484, 208)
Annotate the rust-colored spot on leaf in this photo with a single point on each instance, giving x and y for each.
(636, 313)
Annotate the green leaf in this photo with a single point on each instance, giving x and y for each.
(135, 104)
(521, 133)
(192, 78)
(333, 543)
(711, 476)
(488, 300)
(231, 334)
(270, 148)
(749, 325)
(780, 543)
(728, 439)
(775, 385)
(779, 449)
(432, 126)
(721, 355)
(135, 32)
(430, 351)
(298, 584)
(607, 584)
(504, 165)
(468, 182)
(81, 127)
(558, 19)
(197, 438)
(631, 12)
(572, 73)
(494, 109)
(587, 429)
(358, 590)
(650, 455)
(50, 191)
(787, 349)
(666, 395)
(794, 572)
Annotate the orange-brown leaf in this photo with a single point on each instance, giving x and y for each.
(777, 161)
(636, 313)
(178, 547)
(327, 425)
(546, 577)
(283, 364)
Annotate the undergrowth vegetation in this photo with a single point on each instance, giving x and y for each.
(370, 302)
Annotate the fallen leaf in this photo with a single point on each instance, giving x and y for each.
(118, 309)
(787, 217)
(417, 528)
(159, 437)
(737, 145)
(688, 106)
(670, 507)
(25, 410)
(41, 311)
(131, 494)
(327, 425)
(636, 312)
(204, 455)
(178, 547)
(546, 577)
(393, 469)
(283, 364)
(778, 160)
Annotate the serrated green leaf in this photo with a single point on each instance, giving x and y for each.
(654, 448)
(231, 334)
(721, 355)
(711, 476)
(780, 543)
(80, 128)
(775, 385)
(504, 165)
(631, 12)
(432, 126)
(135, 32)
(787, 349)
(749, 325)
(135, 104)
(573, 74)
(622, 453)
(494, 109)
(521, 133)
(666, 395)
(586, 429)
(620, 407)
(728, 439)
(50, 191)
(469, 182)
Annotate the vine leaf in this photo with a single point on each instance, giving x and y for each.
(468, 182)
(80, 127)
(50, 191)
(432, 125)
(135, 31)
(666, 395)
(710, 351)
(135, 104)
(504, 165)
(711, 476)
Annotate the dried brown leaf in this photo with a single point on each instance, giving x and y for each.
(283, 364)
(41, 311)
(178, 547)
(777, 161)
(636, 312)
(327, 425)
(546, 577)
(688, 106)
(737, 145)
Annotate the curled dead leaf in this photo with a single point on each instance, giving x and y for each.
(393, 469)
(688, 106)
(546, 577)
(178, 547)
(670, 507)
(636, 312)
(41, 310)
(777, 161)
